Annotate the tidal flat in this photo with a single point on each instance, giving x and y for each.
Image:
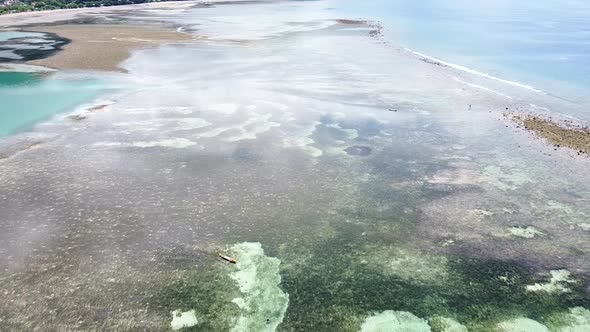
(358, 186)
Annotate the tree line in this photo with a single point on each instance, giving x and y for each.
(32, 5)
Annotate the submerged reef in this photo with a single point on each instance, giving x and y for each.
(341, 215)
(358, 150)
(521, 325)
(445, 324)
(558, 283)
(576, 320)
(241, 297)
(394, 321)
(183, 319)
(528, 232)
(263, 303)
(348, 280)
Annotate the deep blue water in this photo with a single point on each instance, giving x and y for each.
(545, 44)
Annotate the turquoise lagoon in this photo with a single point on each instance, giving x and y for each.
(29, 98)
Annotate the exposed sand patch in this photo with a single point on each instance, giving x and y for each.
(557, 134)
(103, 46)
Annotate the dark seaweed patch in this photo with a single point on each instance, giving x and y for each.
(358, 150)
(245, 155)
(207, 289)
(44, 50)
(332, 290)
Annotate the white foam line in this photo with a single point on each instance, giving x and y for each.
(474, 72)
(482, 88)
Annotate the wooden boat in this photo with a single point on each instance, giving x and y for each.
(228, 259)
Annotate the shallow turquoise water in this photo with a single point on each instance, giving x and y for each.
(545, 44)
(15, 79)
(30, 98)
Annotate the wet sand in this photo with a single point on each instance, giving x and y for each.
(103, 47)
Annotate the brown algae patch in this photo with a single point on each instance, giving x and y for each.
(108, 44)
(559, 134)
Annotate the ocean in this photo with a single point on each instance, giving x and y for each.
(543, 44)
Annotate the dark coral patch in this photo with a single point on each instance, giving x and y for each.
(358, 150)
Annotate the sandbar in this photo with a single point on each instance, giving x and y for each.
(103, 46)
